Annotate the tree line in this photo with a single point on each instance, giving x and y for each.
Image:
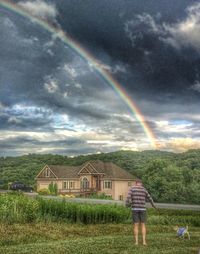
(169, 177)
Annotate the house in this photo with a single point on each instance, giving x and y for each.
(91, 177)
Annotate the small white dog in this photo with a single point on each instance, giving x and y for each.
(182, 232)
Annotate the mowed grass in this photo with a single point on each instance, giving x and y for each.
(53, 238)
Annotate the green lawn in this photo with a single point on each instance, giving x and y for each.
(65, 238)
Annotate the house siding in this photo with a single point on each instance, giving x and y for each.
(121, 189)
(118, 191)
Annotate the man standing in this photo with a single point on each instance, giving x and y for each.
(136, 198)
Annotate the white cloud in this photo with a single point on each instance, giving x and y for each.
(14, 120)
(136, 27)
(119, 68)
(70, 70)
(51, 86)
(78, 85)
(26, 112)
(148, 20)
(65, 95)
(112, 69)
(175, 127)
(50, 52)
(186, 32)
(39, 8)
(9, 24)
(183, 33)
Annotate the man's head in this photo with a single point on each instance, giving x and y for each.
(138, 182)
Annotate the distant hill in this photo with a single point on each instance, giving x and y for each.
(156, 168)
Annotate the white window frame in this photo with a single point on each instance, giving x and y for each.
(107, 184)
(68, 185)
(47, 172)
(85, 183)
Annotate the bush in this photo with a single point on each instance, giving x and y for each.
(99, 196)
(53, 188)
(17, 208)
(44, 192)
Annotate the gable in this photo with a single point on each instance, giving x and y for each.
(88, 169)
(107, 170)
(46, 172)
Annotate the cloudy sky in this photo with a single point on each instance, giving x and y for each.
(52, 100)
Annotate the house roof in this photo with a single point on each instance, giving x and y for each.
(65, 171)
(109, 170)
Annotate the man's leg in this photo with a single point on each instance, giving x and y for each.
(143, 226)
(135, 229)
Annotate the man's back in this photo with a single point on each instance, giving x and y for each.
(137, 197)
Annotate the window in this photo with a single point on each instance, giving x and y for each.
(65, 185)
(72, 185)
(85, 183)
(107, 185)
(121, 197)
(69, 185)
(47, 172)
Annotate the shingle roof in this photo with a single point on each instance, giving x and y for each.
(111, 170)
(65, 171)
(108, 169)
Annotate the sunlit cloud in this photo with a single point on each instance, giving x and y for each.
(179, 144)
(39, 8)
(178, 34)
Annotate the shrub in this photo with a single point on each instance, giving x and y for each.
(17, 208)
(100, 196)
(53, 188)
(44, 192)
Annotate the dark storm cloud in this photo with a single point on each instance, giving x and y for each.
(28, 73)
(108, 29)
(18, 145)
(25, 62)
(47, 87)
(31, 142)
(20, 123)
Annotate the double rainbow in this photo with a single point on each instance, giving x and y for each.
(74, 45)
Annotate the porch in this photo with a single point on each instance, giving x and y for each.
(85, 191)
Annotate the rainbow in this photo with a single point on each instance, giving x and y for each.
(74, 45)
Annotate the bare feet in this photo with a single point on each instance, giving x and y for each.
(145, 244)
(136, 243)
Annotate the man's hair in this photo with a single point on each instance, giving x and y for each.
(137, 180)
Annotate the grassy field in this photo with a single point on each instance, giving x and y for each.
(37, 226)
(53, 238)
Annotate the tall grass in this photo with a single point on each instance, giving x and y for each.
(82, 213)
(18, 208)
(174, 217)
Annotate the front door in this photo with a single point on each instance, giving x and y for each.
(98, 183)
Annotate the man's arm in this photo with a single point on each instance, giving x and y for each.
(128, 199)
(148, 197)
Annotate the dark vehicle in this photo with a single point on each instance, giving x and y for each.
(2, 184)
(20, 186)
